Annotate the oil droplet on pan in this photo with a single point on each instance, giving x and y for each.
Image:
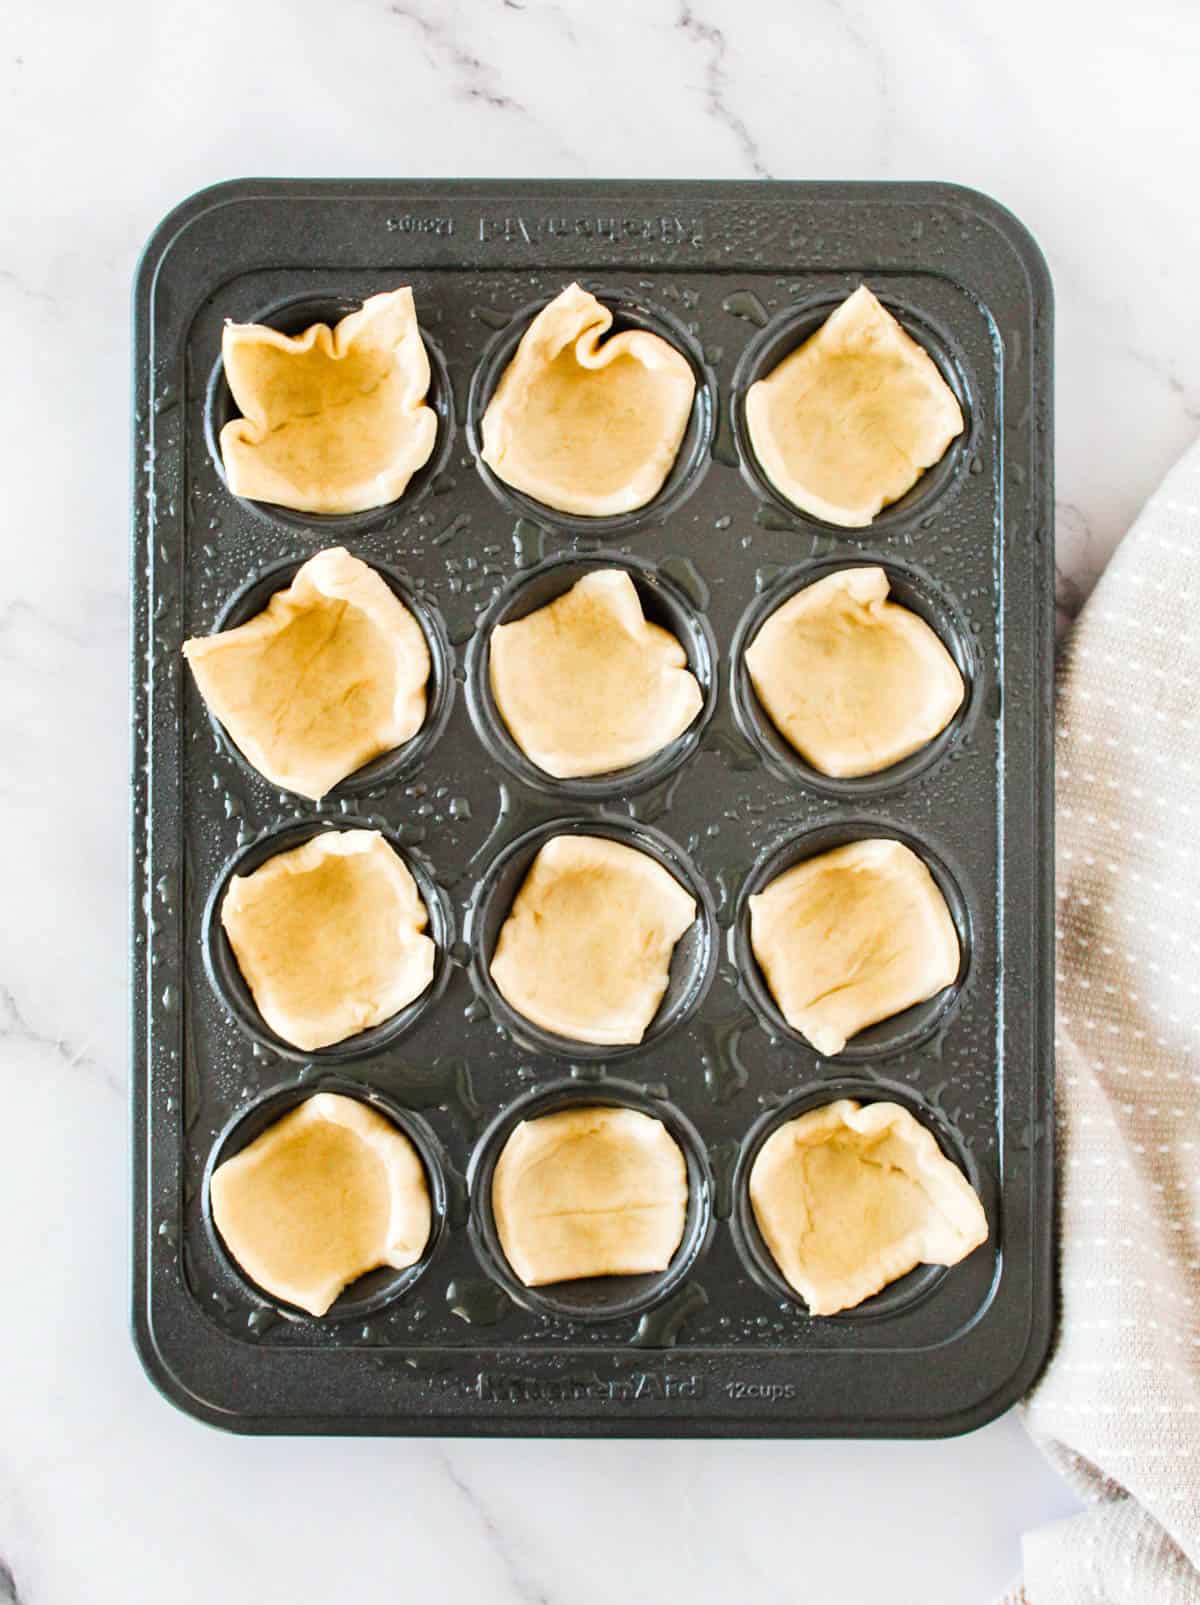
(725, 1074)
(492, 317)
(529, 543)
(774, 518)
(688, 578)
(659, 1329)
(745, 304)
(477, 1302)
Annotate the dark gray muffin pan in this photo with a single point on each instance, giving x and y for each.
(735, 275)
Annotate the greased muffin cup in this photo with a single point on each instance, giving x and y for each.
(388, 767)
(630, 310)
(734, 276)
(693, 962)
(900, 1033)
(898, 1296)
(593, 1298)
(230, 985)
(378, 1288)
(663, 602)
(788, 330)
(292, 315)
(909, 588)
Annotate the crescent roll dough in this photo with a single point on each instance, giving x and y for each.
(587, 685)
(326, 1194)
(852, 418)
(849, 1199)
(589, 1192)
(333, 420)
(331, 674)
(851, 937)
(328, 937)
(587, 424)
(854, 682)
(586, 948)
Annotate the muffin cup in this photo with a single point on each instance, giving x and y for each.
(230, 985)
(388, 768)
(663, 602)
(630, 311)
(898, 1296)
(593, 1298)
(380, 1287)
(693, 962)
(900, 1032)
(910, 588)
(291, 316)
(788, 330)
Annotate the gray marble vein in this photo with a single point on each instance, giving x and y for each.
(1185, 393)
(713, 42)
(867, 46)
(15, 1028)
(525, 1586)
(474, 78)
(27, 292)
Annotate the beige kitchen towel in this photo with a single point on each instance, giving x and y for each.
(1118, 1408)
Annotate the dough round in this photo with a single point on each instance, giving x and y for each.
(586, 949)
(329, 1192)
(328, 937)
(851, 419)
(333, 420)
(589, 1192)
(328, 676)
(854, 682)
(586, 424)
(849, 1199)
(851, 937)
(586, 685)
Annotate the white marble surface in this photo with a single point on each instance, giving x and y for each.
(1081, 118)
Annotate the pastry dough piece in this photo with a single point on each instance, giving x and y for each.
(328, 937)
(328, 676)
(852, 418)
(849, 1199)
(589, 1192)
(326, 1194)
(586, 685)
(333, 420)
(586, 948)
(851, 937)
(854, 682)
(586, 424)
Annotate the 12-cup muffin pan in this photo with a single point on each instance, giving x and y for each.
(734, 275)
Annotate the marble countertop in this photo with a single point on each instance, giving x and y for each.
(111, 114)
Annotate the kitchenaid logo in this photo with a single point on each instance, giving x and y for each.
(635, 1387)
(526, 228)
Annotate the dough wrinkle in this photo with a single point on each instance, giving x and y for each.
(851, 680)
(569, 1195)
(584, 420)
(586, 685)
(328, 676)
(329, 1191)
(847, 422)
(332, 421)
(851, 937)
(329, 937)
(585, 951)
(838, 1244)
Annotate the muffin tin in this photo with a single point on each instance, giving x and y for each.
(734, 275)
